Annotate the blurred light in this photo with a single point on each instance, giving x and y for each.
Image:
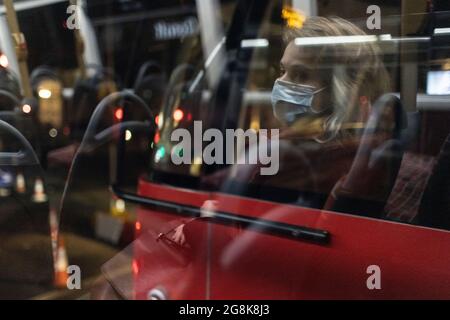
(66, 131)
(308, 41)
(385, 37)
(157, 138)
(442, 31)
(20, 183)
(26, 108)
(120, 205)
(196, 166)
(6, 181)
(157, 120)
(138, 226)
(135, 267)
(4, 192)
(255, 125)
(6, 178)
(198, 160)
(128, 135)
(293, 17)
(45, 94)
(178, 115)
(53, 133)
(438, 83)
(118, 114)
(446, 65)
(160, 121)
(214, 54)
(4, 61)
(160, 154)
(254, 43)
(409, 39)
(39, 195)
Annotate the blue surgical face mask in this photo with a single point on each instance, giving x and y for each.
(290, 100)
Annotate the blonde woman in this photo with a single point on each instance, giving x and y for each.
(331, 74)
(330, 77)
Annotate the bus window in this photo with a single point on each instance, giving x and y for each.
(188, 90)
(369, 134)
(49, 42)
(367, 140)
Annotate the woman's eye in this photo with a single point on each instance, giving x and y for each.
(301, 76)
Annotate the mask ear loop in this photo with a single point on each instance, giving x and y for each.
(320, 90)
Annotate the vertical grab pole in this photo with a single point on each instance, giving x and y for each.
(79, 43)
(20, 46)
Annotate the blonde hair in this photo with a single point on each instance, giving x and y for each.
(357, 67)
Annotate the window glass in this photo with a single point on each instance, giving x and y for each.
(189, 91)
(362, 111)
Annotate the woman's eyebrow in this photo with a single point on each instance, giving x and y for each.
(301, 66)
(295, 65)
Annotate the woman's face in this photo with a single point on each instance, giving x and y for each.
(300, 68)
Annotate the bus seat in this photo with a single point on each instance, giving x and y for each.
(150, 85)
(366, 187)
(434, 210)
(410, 135)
